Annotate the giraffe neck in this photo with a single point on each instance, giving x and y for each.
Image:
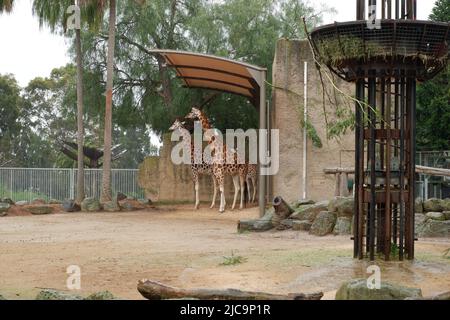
(204, 121)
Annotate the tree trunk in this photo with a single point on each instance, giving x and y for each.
(80, 129)
(106, 183)
(282, 210)
(153, 290)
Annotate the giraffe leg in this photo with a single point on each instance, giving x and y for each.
(215, 192)
(242, 181)
(254, 189)
(236, 190)
(248, 189)
(197, 199)
(222, 198)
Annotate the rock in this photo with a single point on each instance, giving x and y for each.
(145, 202)
(310, 212)
(357, 290)
(22, 203)
(70, 206)
(40, 210)
(38, 201)
(102, 295)
(446, 204)
(90, 205)
(343, 226)
(111, 206)
(419, 220)
(4, 207)
(57, 295)
(8, 201)
(120, 196)
(299, 203)
(2, 297)
(285, 224)
(419, 205)
(442, 297)
(446, 215)
(54, 201)
(435, 216)
(323, 224)
(433, 205)
(344, 206)
(301, 225)
(434, 228)
(131, 205)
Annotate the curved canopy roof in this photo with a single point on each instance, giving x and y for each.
(216, 73)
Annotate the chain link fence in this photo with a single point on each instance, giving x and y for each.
(59, 184)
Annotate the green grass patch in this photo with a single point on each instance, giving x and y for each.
(233, 260)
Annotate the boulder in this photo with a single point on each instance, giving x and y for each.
(434, 228)
(323, 224)
(54, 201)
(57, 295)
(111, 206)
(446, 215)
(419, 220)
(446, 204)
(102, 295)
(2, 297)
(344, 206)
(299, 203)
(70, 206)
(90, 205)
(285, 224)
(419, 205)
(301, 225)
(40, 210)
(435, 216)
(442, 296)
(343, 226)
(22, 203)
(38, 201)
(8, 201)
(310, 212)
(357, 290)
(120, 196)
(145, 202)
(130, 205)
(433, 205)
(4, 207)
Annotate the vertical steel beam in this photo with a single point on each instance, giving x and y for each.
(412, 167)
(262, 126)
(388, 208)
(372, 159)
(402, 166)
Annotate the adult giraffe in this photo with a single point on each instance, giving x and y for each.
(220, 165)
(204, 167)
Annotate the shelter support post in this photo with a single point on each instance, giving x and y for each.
(262, 126)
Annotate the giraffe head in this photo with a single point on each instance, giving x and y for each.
(195, 114)
(177, 125)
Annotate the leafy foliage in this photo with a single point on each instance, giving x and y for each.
(433, 100)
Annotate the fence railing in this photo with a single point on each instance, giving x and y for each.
(59, 184)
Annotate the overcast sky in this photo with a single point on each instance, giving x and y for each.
(28, 52)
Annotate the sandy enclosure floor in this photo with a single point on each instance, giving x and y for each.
(185, 248)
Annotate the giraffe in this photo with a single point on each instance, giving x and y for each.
(196, 169)
(252, 175)
(220, 166)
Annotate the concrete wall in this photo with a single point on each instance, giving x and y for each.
(164, 181)
(287, 114)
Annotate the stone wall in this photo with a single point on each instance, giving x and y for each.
(287, 114)
(164, 181)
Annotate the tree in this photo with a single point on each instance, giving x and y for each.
(6, 6)
(433, 100)
(10, 103)
(106, 179)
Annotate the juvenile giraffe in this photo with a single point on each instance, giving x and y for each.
(202, 168)
(220, 165)
(252, 175)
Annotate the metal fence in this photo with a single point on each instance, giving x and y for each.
(432, 186)
(59, 184)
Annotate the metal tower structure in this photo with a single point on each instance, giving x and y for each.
(385, 58)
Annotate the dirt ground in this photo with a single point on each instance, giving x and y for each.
(186, 248)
